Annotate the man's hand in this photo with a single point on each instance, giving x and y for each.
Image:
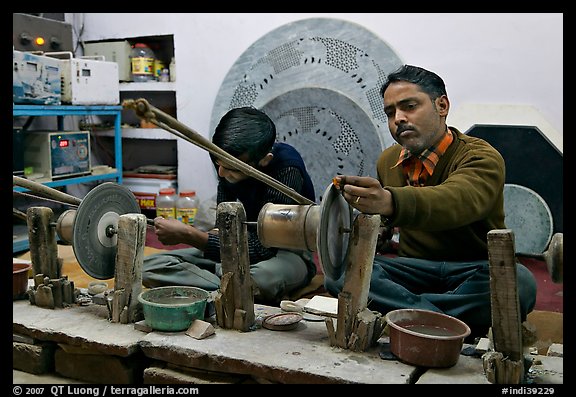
(171, 231)
(365, 194)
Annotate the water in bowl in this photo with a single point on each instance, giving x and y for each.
(176, 300)
(430, 330)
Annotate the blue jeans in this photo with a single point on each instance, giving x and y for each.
(459, 289)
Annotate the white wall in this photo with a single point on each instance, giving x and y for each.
(485, 59)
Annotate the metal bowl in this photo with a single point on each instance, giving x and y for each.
(425, 338)
(173, 308)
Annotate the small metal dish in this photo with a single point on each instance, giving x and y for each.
(282, 321)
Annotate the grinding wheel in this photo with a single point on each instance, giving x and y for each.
(528, 215)
(95, 228)
(334, 232)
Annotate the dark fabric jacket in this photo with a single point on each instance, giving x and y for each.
(286, 167)
(253, 194)
(449, 218)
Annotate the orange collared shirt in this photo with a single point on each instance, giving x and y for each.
(418, 168)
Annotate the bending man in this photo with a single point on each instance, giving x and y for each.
(249, 135)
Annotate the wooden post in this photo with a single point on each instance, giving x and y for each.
(43, 246)
(238, 288)
(131, 232)
(357, 327)
(506, 364)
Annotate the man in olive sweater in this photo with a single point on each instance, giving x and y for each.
(443, 191)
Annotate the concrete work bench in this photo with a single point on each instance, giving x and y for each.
(80, 343)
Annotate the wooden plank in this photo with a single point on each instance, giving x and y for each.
(506, 323)
(506, 364)
(231, 223)
(345, 319)
(225, 300)
(43, 245)
(361, 258)
(131, 232)
(353, 298)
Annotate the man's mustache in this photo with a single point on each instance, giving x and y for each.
(403, 128)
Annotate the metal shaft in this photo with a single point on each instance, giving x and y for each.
(45, 191)
(150, 113)
(50, 193)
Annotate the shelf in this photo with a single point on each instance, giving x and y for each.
(140, 133)
(71, 110)
(75, 180)
(148, 86)
(137, 142)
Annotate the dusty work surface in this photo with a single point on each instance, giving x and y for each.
(302, 355)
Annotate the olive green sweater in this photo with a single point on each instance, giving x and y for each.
(449, 218)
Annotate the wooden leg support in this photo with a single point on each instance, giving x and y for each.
(51, 289)
(234, 302)
(131, 231)
(358, 328)
(43, 245)
(504, 365)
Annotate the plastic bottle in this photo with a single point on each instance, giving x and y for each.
(142, 61)
(164, 76)
(172, 67)
(166, 203)
(187, 206)
(158, 67)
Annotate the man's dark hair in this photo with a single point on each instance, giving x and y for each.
(245, 130)
(429, 82)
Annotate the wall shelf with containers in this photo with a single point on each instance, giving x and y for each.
(161, 94)
(144, 145)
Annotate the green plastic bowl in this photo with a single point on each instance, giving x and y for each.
(173, 308)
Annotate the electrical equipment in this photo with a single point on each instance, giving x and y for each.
(88, 81)
(36, 79)
(57, 154)
(33, 33)
(113, 51)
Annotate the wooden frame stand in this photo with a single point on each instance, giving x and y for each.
(357, 327)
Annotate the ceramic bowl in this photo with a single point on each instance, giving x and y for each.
(173, 308)
(425, 338)
(20, 272)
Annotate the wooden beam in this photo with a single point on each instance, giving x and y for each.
(43, 245)
(232, 229)
(131, 232)
(505, 304)
(352, 330)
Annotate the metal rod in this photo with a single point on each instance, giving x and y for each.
(19, 214)
(55, 195)
(45, 190)
(42, 198)
(150, 113)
